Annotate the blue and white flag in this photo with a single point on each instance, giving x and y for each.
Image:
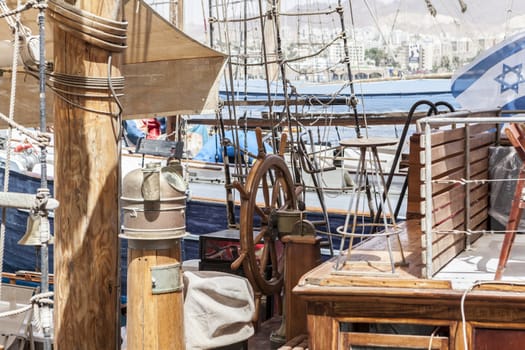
(496, 79)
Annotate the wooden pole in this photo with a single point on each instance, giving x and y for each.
(155, 321)
(87, 286)
(308, 248)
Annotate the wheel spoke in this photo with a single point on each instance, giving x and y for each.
(274, 261)
(266, 191)
(261, 213)
(264, 259)
(269, 187)
(276, 192)
(257, 239)
(286, 200)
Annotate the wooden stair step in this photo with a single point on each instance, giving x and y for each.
(298, 343)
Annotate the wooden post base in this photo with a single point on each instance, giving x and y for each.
(302, 254)
(154, 321)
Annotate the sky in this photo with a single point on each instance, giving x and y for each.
(481, 16)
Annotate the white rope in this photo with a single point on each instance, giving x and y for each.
(474, 181)
(42, 298)
(464, 296)
(7, 15)
(431, 340)
(14, 23)
(40, 139)
(16, 47)
(470, 232)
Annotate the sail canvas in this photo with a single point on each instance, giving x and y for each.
(159, 65)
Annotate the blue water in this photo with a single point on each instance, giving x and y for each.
(374, 97)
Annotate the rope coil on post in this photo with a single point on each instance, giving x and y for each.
(98, 31)
(37, 299)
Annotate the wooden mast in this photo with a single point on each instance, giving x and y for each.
(86, 184)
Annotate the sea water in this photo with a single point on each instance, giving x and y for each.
(373, 97)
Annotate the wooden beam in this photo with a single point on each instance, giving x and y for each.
(86, 184)
(341, 119)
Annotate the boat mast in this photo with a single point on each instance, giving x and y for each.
(177, 13)
(269, 30)
(44, 191)
(87, 139)
(353, 99)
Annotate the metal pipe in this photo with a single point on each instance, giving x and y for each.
(428, 200)
(399, 149)
(47, 322)
(472, 120)
(353, 100)
(467, 188)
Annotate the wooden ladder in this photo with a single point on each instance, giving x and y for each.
(516, 134)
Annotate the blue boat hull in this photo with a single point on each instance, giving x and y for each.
(201, 218)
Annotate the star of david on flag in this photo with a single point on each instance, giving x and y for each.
(495, 79)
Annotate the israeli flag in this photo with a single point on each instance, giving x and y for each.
(496, 79)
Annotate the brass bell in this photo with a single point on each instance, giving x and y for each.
(32, 235)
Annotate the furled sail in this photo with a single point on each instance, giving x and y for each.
(166, 72)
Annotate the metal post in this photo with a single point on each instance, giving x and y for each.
(428, 199)
(467, 187)
(43, 192)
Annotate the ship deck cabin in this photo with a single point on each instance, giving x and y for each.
(442, 293)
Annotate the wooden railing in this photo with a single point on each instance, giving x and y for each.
(459, 205)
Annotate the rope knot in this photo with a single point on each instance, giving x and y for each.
(353, 101)
(39, 4)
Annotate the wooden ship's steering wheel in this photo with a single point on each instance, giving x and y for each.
(268, 190)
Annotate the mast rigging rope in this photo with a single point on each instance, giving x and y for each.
(8, 15)
(16, 48)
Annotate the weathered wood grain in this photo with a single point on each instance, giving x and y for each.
(86, 185)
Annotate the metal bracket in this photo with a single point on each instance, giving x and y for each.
(161, 148)
(166, 278)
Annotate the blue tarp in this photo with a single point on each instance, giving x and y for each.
(211, 151)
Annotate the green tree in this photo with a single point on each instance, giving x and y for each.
(377, 55)
(445, 62)
(456, 62)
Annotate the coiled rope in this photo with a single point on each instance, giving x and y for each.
(98, 31)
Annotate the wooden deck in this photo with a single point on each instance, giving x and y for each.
(369, 264)
(443, 296)
(261, 339)
(351, 306)
(479, 263)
